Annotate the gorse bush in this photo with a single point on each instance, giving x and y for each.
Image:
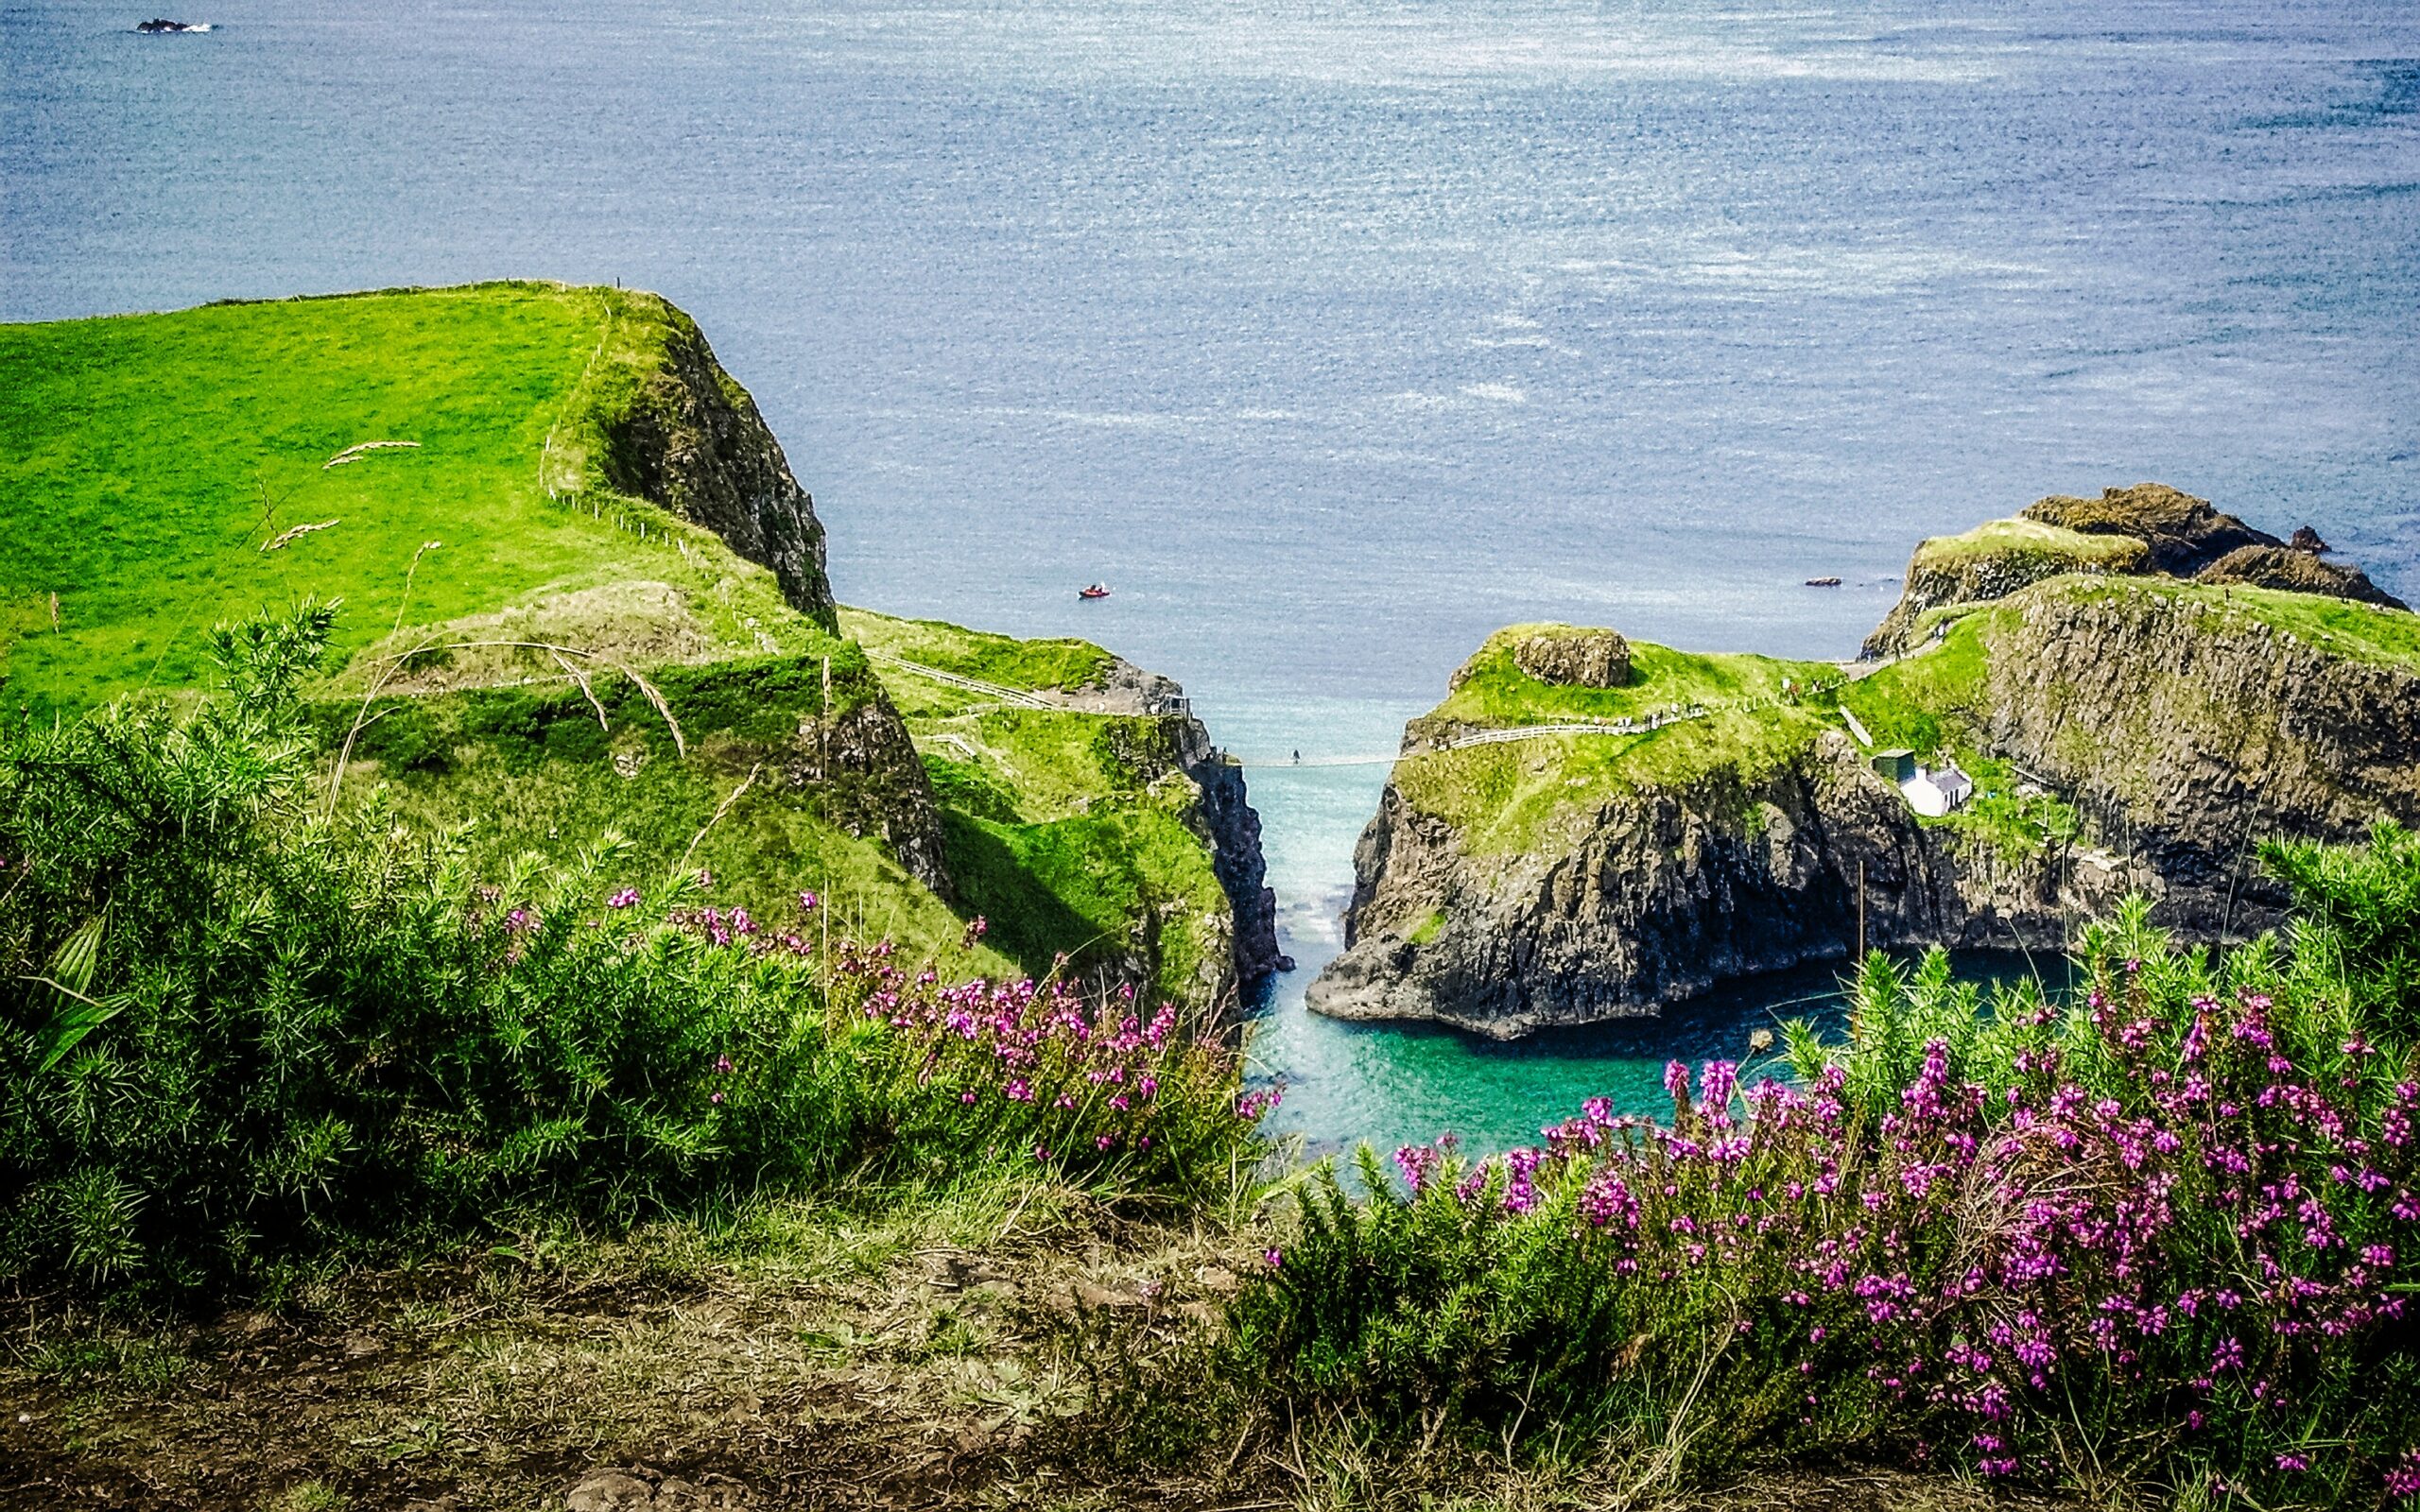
(2162, 1227)
(236, 1032)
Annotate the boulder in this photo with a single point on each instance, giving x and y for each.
(1575, 659)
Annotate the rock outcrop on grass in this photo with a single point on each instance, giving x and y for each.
(1572, 656)
(2297, 571)
(2181, 533)
(2149, 529)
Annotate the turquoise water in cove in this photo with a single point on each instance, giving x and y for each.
(1337, 334)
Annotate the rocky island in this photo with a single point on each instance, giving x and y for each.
(2119, 694)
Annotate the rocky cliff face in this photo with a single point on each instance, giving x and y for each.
(1221, 816)
(691, 440)
(2182, 534)
(2297, 569)
(2181, 731)
(1227, 822)
(1670, 891)
(862, 771)
(2187, 730)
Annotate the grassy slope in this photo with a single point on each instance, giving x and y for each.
(146, 458)
(1048, 665)
(135, 451)
(533, 768)
(1507, 798)
(136, 454)
(1055, 835)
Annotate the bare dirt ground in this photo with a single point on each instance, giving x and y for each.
(928, 1357)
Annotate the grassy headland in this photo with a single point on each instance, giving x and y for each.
(1503, 798)
(513, 610)
(148, 460)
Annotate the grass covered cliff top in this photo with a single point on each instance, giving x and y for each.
(1062, 664)
(1505, 798)
(2019, 535)
(1065, 829)
(164, 473)
(147, 460)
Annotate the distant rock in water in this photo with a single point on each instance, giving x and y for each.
(2305, 539)
(1573, 657)
(157, 26)
(2297, 571)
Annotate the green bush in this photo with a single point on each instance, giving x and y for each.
(237, 1033)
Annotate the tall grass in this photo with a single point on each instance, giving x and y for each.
(239, 1034)
(2161, 1230)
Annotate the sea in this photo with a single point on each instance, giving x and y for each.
(1335, 333)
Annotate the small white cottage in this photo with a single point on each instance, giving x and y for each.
(1935, 791)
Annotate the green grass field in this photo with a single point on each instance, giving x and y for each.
(2020, 536)
(147, 460)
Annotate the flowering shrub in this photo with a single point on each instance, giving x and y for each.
(234, 1031)
(2164, 1225)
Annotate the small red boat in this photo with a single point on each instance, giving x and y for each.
(1096, 590)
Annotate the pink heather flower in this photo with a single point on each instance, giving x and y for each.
(706, 877)
(2292, 1462)
(722, 1065)
(627, 898)
(1276, 1259)
(715, 1096)
(1676, 1078)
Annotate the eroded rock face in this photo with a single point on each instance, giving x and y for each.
(2187, 733)
(1670, 892)
(693, 443)
(862, 770)
(2183, 534)
(1221, 815)
(1575, 659)
(2298, 571)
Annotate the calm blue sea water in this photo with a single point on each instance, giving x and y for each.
(1337, 334)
